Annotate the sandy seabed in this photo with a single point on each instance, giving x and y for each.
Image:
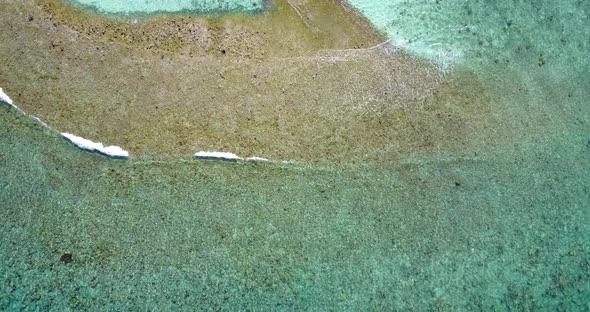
(417, 189)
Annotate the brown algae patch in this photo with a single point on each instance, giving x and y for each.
(288, 84)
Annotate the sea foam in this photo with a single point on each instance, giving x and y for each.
(6, 99)
(111, 151)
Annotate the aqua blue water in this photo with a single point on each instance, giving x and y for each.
(458, 31)
(149, 7)
(501, 223)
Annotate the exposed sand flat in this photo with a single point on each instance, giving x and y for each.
(305, 95)
(292, 92)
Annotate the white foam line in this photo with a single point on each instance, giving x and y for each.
(218, 155)
(6, 99)
(233, 157)
(112, 151)
(39, 121)
(257, 159)
(118, 152)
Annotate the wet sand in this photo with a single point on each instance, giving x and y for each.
(316, 88)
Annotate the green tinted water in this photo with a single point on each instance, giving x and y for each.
(502, 223)
(507, 228)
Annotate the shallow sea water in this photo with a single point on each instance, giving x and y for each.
(483, 31)
(502, 223)
(150, 7)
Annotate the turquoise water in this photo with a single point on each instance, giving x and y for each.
(507, 229)
(150, 7)
(456, 31)
(499, 223)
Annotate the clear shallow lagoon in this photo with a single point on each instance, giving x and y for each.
(150, 7)
(500, 223)
(451, 31)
